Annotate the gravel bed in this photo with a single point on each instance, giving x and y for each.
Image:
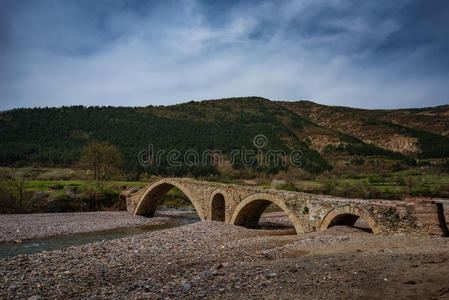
(276, 220)
(216, 260)
(31, 226)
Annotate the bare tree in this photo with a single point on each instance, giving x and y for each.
(103, 159)
(16, 179)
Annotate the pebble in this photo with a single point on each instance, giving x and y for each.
(17, 227)
(189, 262)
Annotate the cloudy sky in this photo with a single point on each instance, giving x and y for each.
(372, 54)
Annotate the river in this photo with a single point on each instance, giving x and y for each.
(65, 241)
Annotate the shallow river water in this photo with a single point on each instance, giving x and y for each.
(64, 241)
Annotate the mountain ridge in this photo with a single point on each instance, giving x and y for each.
(325, 134)
(372, 126)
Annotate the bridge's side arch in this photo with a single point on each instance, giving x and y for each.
(348, 215)
(248, 212)
(217, 205)
(154, 194)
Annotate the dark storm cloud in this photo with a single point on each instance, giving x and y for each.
(355, 53)
(424, 32)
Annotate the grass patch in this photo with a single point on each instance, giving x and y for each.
(43, 185)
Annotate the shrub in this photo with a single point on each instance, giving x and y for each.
(7, 201)
(358, 161)
(329, 187)
(397, 167)
(445, 166)
(305, 209)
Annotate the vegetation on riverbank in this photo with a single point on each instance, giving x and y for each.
(67, 190)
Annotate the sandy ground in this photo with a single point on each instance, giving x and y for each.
(30, 226)
(213, 260)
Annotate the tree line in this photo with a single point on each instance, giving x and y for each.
(56, 136)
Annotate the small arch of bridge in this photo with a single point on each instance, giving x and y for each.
(348, 215)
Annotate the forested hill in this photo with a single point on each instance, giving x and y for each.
(56, 136)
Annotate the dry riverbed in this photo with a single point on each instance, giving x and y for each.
(216, 260)
(31, 226)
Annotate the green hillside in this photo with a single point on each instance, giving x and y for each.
(56, 136)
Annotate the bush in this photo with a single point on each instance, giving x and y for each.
(305, 209)
(93, 198)
(397, 167)
(424, 163)
(358, 161)
(399, 180)
(8, 202)
(377, 179)
(329, 187)
(445, 166)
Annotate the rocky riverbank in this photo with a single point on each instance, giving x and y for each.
(31, 226)
(216, 260)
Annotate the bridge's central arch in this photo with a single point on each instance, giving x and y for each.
(153, 196)
(248, 212)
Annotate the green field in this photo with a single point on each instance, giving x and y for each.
(396, 185)
(74, 195)
(42, 185)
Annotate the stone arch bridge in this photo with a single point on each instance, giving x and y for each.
(244, 205)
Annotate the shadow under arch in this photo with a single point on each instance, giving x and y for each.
(348, 215)
(248, 212)
(153, 196)
(217, 208)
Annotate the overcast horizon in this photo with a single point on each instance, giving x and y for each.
(186, 101)
(361, 54)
